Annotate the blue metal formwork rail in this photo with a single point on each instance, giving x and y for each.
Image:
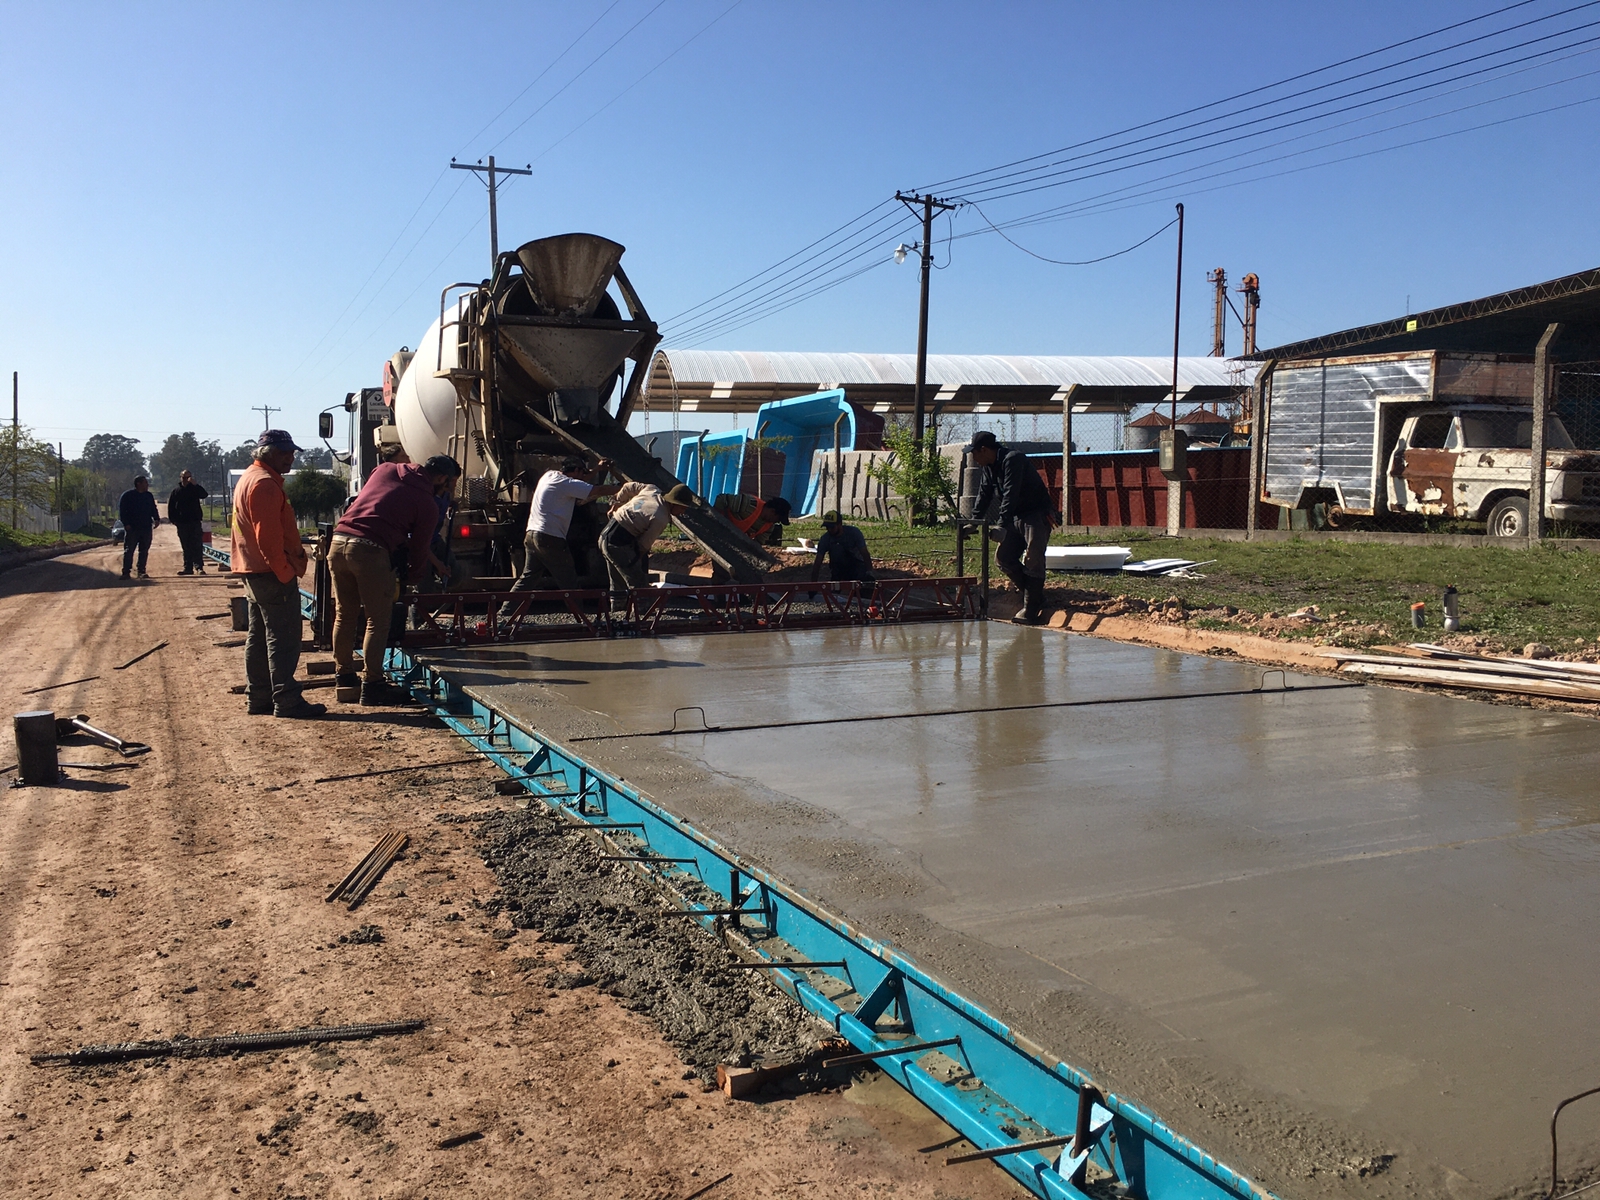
(986, 1081)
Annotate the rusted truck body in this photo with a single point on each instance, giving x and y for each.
(1431, 433)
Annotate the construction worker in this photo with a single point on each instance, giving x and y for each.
(637, 520)
(761, 521)
(136, 509)
(394, 513)
(269, 560)
(845, 548)
(186, 515)
(1025, 518)
(550, 519)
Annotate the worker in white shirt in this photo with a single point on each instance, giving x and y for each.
(550, 518)
(637, 520)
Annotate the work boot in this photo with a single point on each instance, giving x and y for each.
(144, 574)
(260, 708)
(127, 574)
(187, 571)
(378, 693)
(300, 709)
(1033, 610)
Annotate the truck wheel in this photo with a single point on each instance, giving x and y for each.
(1509, 518)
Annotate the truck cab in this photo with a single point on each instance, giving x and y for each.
(1473, 461)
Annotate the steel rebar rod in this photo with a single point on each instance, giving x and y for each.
(964, 712)
(1017, 1148)
(454, 762)
(357, 869)
(140, 658)
(890, 1053)
(231, 1043)
(365, 885)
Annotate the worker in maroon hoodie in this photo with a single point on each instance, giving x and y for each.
(393, 512)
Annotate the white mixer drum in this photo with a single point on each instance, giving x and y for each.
(425, 406)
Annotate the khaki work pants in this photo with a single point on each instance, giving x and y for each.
(363, 582)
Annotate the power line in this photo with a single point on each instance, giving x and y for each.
(1087, 262)
(983, 174)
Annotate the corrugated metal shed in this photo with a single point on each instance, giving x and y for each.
(741, 381)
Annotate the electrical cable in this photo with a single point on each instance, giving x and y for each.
(550, 66)
(591, 64)
(1063, 262)
(985, 176)
(1085, 205)
(1036, 182)
(704, 29)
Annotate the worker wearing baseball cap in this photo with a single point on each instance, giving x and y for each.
(845, 549)
(393, 515)
(1025, 518)
(269, 560)
(636, 522)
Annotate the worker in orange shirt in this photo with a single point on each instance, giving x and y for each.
(269, 560)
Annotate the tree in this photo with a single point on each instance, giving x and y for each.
(313, 494)
(27, 473)
(917, 472)
(114, 456)
(182, 452)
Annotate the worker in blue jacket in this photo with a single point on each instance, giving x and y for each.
(137, 511)
(1026, 518)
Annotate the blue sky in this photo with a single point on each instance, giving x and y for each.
(209, 208)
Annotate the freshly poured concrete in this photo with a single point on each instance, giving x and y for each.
(1308, 929)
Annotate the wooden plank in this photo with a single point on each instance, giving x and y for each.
(1522, 686)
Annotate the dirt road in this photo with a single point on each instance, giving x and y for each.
(181, 894)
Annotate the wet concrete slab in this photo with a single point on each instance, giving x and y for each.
(1311, 929)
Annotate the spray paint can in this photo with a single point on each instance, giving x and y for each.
(1452, 610)
(1416, 614)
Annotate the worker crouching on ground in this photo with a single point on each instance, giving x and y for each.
(136, 509)
(556, 497)
(269, 559)
(1025, 518)
(388, 525)
(638, 518)
(845, 549)
(186, 515)
(761, 521)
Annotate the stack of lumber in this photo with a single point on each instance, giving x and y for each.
(1421, 662)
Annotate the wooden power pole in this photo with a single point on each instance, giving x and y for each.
(491, 174)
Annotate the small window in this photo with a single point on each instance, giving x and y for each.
(1430, 432)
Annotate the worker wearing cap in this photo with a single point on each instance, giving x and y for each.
(394, 512)
(136, 509)
(845, 548)
(637, 520)
(760, 520)
(269, 559)
(1025, 518)
(550, 519)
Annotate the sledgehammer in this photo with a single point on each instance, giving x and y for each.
(67, 726)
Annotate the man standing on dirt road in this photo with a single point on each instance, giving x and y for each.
(183, 510)
(1025, 518)
(269, 559)
(136, 509)
(394, 511)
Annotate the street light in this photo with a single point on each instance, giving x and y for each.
(902, 250)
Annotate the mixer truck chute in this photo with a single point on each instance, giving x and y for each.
(519, 372)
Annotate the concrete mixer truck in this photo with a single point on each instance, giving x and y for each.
(519, 371)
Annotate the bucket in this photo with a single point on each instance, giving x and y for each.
(37, 765)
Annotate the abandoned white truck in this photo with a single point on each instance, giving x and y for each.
(1430, 433)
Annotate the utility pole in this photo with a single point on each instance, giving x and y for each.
(266, 412)
(929, 205)
(1252, 301)
(16, 449)
(492, 171)
(1219, 331)
(1178, 465)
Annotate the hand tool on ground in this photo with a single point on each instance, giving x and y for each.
(68, 726)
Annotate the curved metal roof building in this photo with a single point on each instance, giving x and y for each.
(733, 381)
